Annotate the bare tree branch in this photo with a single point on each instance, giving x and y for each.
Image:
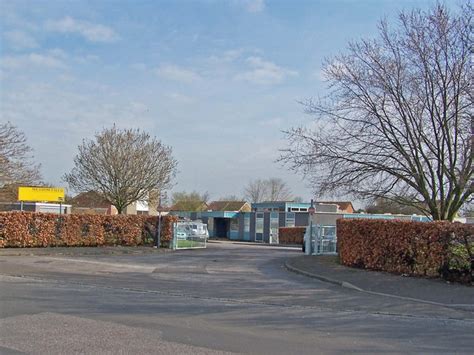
(272, 189)
(16, 166)
(399, 121)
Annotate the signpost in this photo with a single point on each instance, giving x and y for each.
(41, 194)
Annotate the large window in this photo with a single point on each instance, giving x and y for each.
(247, 223)
(234, 225)
(290, 219)
(274, 224)
(259, 223)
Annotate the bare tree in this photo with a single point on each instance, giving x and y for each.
(272, 189)
(190, 201)
(256, 191)
(382, 205)
(122, 165)
(16, 165)
(398, 122)
(278, 190)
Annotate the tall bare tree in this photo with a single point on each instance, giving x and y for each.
(16, 162)
(256, 191)
(278, 190)
(398, 122)
(122, 165)
(272, 189)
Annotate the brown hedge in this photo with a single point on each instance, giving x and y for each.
(28, 229)
(291, 235)
(413, 248)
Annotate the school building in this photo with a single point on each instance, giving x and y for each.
(260, 222)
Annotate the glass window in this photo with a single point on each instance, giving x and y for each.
(290, 219)
(246, 223)
(234, 225)
(259, 223)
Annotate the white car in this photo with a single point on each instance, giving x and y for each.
(199, 229)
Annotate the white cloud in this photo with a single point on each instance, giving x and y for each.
(263, 72)
(20, 40)
(90, 31)
(32, 59)
(176, 73)
(180, 98)
(254, 5)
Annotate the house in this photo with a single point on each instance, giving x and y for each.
(91, 202)
(342, 206)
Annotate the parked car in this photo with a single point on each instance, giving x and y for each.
(199, 229)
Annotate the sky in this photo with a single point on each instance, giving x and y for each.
(217, 80)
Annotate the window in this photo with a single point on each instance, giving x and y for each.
(290, 219)
(247, 223)
(234, 225)
(274, 224)
(259, 223)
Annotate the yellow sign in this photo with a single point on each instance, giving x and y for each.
(49, 194)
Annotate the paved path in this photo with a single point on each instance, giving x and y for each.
(227, 298)
(434, 291)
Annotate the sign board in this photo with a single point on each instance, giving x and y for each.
(49, 194)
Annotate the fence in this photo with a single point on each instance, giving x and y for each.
(323, 240)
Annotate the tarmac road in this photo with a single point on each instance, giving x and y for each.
(225, 299)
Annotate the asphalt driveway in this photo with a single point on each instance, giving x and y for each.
(227, 298)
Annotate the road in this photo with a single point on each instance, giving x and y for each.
(225, 299)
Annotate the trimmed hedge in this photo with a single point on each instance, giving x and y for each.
(291, 235)
(29, 229)
(434, 249)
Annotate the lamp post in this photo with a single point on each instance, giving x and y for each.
(308, 241)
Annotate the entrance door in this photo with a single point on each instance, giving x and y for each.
(221, 227)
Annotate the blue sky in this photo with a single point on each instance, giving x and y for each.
(216, 80)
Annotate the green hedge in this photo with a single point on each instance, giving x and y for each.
(434, 249)
(291, 235)
(29, 229)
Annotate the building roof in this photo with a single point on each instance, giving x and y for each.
(90, 199)
(343, 205)
(229, 206)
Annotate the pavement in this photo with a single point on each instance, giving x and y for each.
(434, 291)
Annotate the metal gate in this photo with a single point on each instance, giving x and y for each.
(190, 235)
(323, 239)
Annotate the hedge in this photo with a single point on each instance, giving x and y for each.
(30, 229)
(291, 235)
(433, 249)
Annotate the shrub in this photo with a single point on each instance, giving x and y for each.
(291, 235)
(27, 229)
(415, 248)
